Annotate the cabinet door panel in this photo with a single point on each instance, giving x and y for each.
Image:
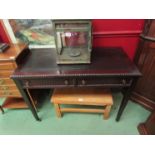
(146, 84)
(144, 92)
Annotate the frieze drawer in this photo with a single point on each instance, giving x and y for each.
(76, 81)
(48, 83)
(104, 81)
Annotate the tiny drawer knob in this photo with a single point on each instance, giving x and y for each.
(83, 82)
(124, 81)
(27, 83)
(66, 82)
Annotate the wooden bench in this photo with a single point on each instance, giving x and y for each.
(82, 96)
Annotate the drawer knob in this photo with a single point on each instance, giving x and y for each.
(66, 82)
(124, 82)
(83, 82)
(27, 83)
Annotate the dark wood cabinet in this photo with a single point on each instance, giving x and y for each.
(148, 127)
(144, 92)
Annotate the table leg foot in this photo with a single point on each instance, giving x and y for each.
(39, 120)
(125, 99)
(2, 110)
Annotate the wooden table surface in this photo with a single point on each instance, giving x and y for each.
(104, 61)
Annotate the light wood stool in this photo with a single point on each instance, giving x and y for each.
(82, 96)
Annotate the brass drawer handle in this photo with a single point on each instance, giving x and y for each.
(66, 82)
(83, 82)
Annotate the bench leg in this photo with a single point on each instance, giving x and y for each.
(107, 111)
(57, 109)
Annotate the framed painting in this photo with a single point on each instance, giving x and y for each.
(38, 33)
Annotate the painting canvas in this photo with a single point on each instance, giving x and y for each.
(33, 31)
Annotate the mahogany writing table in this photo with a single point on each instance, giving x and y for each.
(110, 67)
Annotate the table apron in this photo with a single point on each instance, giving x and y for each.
(58, 82)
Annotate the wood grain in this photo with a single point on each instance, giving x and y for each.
(6, 81)
(5, 93)
(14, 103)
(5, 73)
(82, 110)
(7, 65)
(83, 96)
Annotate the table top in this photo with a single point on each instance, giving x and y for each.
(104, 62)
